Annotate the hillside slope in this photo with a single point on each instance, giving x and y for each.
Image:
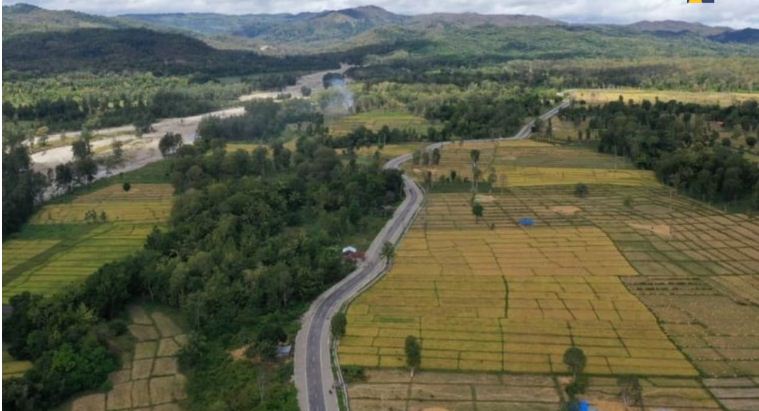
(25, 18)
(140, 50)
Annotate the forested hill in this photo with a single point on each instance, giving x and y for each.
(746, 36)
(101, 50)
(25, 18)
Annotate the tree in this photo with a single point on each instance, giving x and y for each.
(64, 175)
(537, 125)
(549, 129)
(474, 155)
(581, 190)
(22, 186)
(169, 144)
(126, 186)
(81, 148)
(751, 141)
(413, 353)
(338, 325)
(436, 156)
(416, 157)
(492, 179)
(574, 358)
(305, 91)
(85, 170)
(477, 210)
(476, 176)
(117, 150)
(143, 124)
(388, 251)
(42, 135)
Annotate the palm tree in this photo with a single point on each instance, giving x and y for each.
(474, 155)
(388, 251)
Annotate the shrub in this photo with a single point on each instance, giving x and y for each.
(339, 322)
(581, 190)
(353, 373)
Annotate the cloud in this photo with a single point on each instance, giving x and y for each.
(733, 13)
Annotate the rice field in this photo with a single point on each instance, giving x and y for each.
(528, 163)
(507, 299)
(599, 96)
(644, 281)
(429, 390)
(58, 247)
(375, 120)
(149, 375)
(143, 203)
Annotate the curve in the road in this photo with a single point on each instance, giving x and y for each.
(314, 378)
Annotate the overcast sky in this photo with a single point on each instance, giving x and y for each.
(733, 13)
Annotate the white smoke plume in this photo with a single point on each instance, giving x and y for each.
(337, 99)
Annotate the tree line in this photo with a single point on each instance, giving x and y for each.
(263, 120)
(684, 73)
(681, 143)
(22, 186)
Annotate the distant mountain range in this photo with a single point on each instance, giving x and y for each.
(326, 30)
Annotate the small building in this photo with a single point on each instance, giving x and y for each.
(284, 351)
(349, 250)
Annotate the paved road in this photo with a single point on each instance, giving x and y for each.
(313, 364)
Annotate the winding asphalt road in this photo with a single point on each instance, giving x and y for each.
(313, 363)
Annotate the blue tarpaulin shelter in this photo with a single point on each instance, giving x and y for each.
(526, 221)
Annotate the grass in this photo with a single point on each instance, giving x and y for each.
(58, 247)
(13, 367)
(375, 120)
(600, 96)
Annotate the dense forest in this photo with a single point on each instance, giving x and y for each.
(123, 50)
(252, 239)
(263, 120)
(680, 142)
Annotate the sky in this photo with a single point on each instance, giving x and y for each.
(732, 13)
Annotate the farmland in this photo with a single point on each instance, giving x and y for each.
(600, 96)
(529, 163)
(13, 367)
(645, 281)
(59, 247)
(149, 375)
(394, 389)
(375, 120)
(507, 300)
